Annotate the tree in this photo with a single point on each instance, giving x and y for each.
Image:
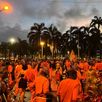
(94, 41)
(95, 35)
(4, 49)
(65, 40)
(55, 38)
(78, 39)
(96, 22)
(46, 37)
(35, 35)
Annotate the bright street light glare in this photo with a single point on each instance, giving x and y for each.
(42, 43)
(6, 7)
(12, 40)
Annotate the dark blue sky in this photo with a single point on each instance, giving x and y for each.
(62, 13)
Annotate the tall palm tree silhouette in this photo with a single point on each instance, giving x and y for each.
(96, 22)
(37, 33)
(55, 37)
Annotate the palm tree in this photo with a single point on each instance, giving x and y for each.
(96, 22)
(21, 48)
(94, 40)
(74, 38)
(46, 37)
(55, 38)
(78, 39)
(83, 39)
(4, 49)
(37, 33)
(65, 40)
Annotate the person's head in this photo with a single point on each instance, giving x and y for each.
(72, 74)
(58, 65)
(43, 72)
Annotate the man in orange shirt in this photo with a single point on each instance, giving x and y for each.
(85, 65)
(41, 87)
(10, 69)
(81, 64)
(69, 89)
(17, 72)
(98, 65)
(68, 64)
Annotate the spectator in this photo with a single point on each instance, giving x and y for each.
(70, 88)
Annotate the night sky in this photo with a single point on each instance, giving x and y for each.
(61, 13)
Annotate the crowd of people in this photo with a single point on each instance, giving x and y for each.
(54, 80)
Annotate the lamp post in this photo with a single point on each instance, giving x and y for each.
(42, 48)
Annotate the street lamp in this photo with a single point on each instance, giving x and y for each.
(42, 47)
(12, 40)
(4, 8)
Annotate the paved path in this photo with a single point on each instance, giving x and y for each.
(27, 96)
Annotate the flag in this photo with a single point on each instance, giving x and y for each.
(72, 56)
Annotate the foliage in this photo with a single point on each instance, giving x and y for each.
(85, 41)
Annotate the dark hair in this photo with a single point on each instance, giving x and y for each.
(24, 67)
(22, 75)
(39, 66)
(72, 74)
(44, 72)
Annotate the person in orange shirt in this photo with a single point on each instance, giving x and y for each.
(3, 89)
(17, 72)
(21, 83)
(98, 65)
(58, 72)
(70, 88)
(30, 76)
(19, 87)
(80, 65)
(78, 74)
(67, 64)
(18, 68)
(10, 69)
(85, 65)
(41, 87)
(53, 81)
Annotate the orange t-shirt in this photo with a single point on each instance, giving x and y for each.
(86, 66)
(81, 65)
(68, 64)
(18, 70)
(98, 66)
(29, 74)
(41, 85)
(68, 90)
